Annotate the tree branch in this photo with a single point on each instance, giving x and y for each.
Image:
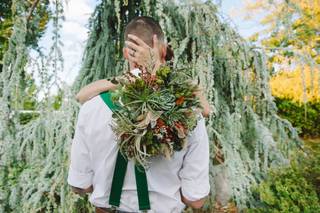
(34, 5)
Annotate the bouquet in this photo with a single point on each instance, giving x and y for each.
(155, 113)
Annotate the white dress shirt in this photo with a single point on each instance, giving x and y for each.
(93, 155)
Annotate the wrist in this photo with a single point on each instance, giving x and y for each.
(156, 67)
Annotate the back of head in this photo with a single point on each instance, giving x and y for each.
(144, 27)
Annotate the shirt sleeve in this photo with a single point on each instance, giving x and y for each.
(194, 173)
(80, 174)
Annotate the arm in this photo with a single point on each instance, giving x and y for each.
(194, 204)
(82, 191)
(94, 89)
(204, 103)
(80, 173)
(194, 173)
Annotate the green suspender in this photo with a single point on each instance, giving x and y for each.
(120, 172)
(142, 187)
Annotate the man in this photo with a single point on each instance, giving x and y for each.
(172, 184)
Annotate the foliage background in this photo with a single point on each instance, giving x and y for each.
(248, 137)
(301, 108)
(291, 40)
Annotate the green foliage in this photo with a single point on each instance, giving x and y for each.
(5, 26)
(292, 189)
(29, 100)
(58, 100)
(10, 177)
(305, 117)
(292, 33)
(36, 26)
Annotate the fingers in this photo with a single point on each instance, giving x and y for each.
(136, 58)
(133, 53)
(131, 58)
(132, 45)
(137, 40)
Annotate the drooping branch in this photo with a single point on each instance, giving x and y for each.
(33, 7)
(245, 126)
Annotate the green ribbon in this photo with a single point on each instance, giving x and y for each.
(120, 172)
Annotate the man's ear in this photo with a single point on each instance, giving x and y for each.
(125, 52)
(163, 52)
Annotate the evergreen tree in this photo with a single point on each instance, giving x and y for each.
(37, 20)
(244, 127)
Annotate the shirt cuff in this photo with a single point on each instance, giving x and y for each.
(79, 179)
(193, 191)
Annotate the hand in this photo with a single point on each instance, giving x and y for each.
(206, 108)
(82, 192)
(142, 54)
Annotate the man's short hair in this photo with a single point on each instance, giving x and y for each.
(144, 27)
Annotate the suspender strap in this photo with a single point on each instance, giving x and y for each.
(120, 172)
(106, 97)
(117, 180)
(142, 187)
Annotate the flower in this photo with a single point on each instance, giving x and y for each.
(160, 123)
(180, 101)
